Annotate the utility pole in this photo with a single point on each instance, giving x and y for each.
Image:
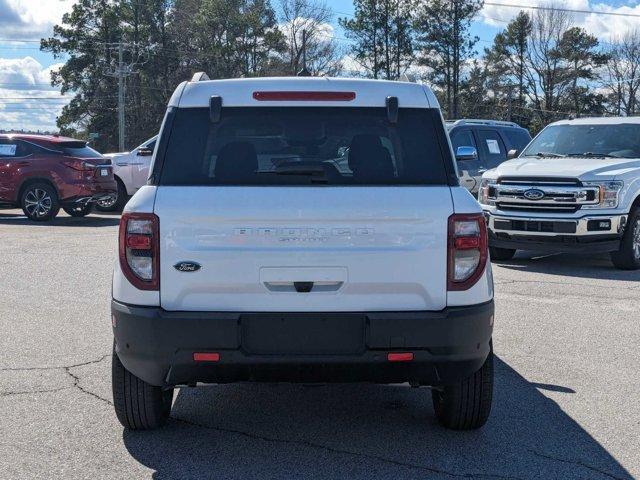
(121, 93)
(121, 71)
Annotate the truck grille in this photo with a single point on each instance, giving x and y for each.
(540, 195)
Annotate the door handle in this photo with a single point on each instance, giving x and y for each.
(304, 287)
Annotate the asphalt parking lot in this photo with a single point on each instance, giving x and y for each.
(566, 404)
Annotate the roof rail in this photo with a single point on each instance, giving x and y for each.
(200, 77)
(478, 121)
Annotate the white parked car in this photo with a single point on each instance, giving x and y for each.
(131, 170)
(303, 229)
(575, 188)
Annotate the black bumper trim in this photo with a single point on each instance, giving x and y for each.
(556, 243)
(158, 346)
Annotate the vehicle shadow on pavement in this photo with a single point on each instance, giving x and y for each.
(262, 431)
(569, 265)
(60, 221)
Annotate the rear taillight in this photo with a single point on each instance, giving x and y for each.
(139, 250)
(79, 165)
(467, 247)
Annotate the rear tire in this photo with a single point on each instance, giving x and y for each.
(628, 257)
(466, 405)
(79, 210)
(118, 204)
(138, 404)
(39, 202)
(501, 254)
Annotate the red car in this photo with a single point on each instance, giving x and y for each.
(43, 173)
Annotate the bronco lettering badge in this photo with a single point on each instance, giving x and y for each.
(187, 266)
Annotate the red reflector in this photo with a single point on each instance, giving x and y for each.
(139, 242)
(304, 96)
(466, 243)
(206, 357)
(400, 357)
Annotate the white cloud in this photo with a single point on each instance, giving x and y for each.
(31, 19)
(27, 101)
(605, 27)
(323, 32)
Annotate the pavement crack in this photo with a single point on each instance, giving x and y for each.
(328, 448)
(27, 392)
(63, 367)
(575, 462)
(570, 284)
(76, 383)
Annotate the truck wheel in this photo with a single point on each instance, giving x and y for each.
(116, 204)
(466, 405)
(501, 253)
(628, 257)
(138, 405)
(39, 202)
(79, 210)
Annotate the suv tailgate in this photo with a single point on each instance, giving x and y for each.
(262, 249)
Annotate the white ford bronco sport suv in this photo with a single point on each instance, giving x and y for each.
(575, 188)
(302, 229)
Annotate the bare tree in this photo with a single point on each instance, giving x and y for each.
(547, 75)
(621, 77)
(323, 54)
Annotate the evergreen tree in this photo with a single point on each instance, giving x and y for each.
(508, 70)
(580, 51)
(383, 36)
(164, 42)
(445, 44)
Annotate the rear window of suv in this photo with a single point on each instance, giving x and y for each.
(79, 150)
(304, 145)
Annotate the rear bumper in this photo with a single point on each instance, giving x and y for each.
(158, 346)
(84, 192)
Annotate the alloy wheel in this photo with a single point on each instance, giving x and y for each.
(38, 202)
(108, 203)
(636, 239)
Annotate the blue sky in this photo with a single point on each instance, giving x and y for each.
(28, 102)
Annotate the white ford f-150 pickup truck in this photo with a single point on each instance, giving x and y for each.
(575, 188)
(303, 229)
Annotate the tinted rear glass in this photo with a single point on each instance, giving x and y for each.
(80, 150)
(301, 146)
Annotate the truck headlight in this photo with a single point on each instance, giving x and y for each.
(484, 194)
(609, 193)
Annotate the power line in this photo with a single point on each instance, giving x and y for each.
(569, 10)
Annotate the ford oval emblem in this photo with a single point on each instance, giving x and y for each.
(533, 194)
(187, 266)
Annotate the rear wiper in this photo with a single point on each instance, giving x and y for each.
(299, 170)
(317, 173)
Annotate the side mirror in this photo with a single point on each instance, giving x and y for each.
(512, 154)
(144, 152)
(466, 153)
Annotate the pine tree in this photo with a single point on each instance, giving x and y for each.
(383, 36)
(445, 44)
